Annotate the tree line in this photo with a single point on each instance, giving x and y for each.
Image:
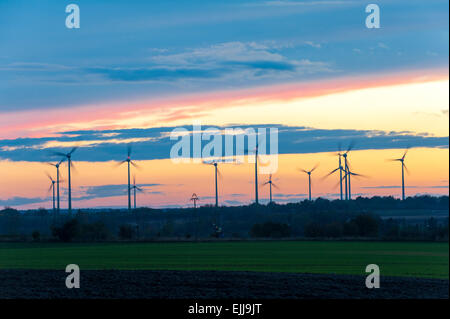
(320, 218)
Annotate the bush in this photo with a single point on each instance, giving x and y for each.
(334, 230)
(93, 232)
(390, 229)
(351, 229)
(271, 230)
(36, 235)
(314, 229)
(126, 232)
(367, 225)
(67, 232)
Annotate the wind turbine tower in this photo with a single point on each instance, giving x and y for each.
(68, 156)
(346, 170)
(129, 163)
(52, 187)
(309, 178)
(135, 189)
(402, 160)
(340, 169)
(57, 165)
(271, 183)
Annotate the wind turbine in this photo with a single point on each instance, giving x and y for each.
(52, 187)
(271, 183)
(309, 177)
(256, 169)
(216, 174)
(340, 169)
(347, 169)
(256, 152)
(348, 175)
(68, 156)
(129, 161)
(402, 160)
(256, 173)
(57, 165)
(135, 188)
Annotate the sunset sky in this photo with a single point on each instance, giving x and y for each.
(135, 71)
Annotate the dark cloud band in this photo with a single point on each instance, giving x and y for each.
(155, 143)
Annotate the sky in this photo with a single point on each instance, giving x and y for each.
(137, 70)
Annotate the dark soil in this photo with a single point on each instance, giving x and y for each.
(211, 285)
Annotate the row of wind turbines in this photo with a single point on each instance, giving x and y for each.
(68, 156)
(345, 175)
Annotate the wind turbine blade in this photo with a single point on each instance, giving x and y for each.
(50, 188)
(337, 184)
(302, 170)
(332, 172)
(120, 163)
(315, 167)
(358, 175)
(406, 152)
(59, 154)
(350, 147)
(73, 150)
(406, 168)
(275, 185)
(136, 165)
(219, 174)
(129, 149)
(348, 165)
(73, 167)
(49, 176)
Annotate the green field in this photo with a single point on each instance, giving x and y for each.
(394, 259)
